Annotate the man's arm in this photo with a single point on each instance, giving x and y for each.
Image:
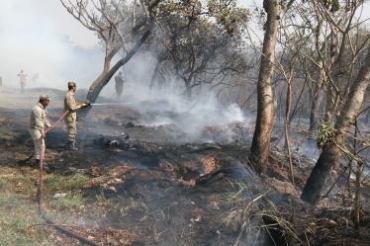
(73, 105)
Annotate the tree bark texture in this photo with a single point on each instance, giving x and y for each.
(332, 152)
(316, 101)
(260, 148)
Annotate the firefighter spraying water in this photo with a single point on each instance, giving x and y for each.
(72, 106)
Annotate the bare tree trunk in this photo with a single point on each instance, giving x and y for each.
(103, 79)
(331, 152)
(188, 89)
(287, 127)
(154, 76)
(332, 101)
(260, 148)
(288, 103)
(316, 101)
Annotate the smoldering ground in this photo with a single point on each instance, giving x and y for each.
(189, 118)
(157, 167)
(152, 182)
(158, 185)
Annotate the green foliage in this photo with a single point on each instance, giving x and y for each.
(226, 13)
(333, 5)
(200, 37)
(325, 135)
(231, 17)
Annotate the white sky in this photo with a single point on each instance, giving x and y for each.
(52, 47)
(40, 37)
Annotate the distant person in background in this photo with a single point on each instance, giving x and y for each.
(119, 84)
(1, 82)
(38, 124)
(22, 79)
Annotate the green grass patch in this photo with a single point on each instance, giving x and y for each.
(24, 185)
(62, 183)
(71, 186)
(70, 201)
(6, 134)
(19, 222)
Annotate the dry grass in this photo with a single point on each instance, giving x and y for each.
(19, 221)
(63, 201)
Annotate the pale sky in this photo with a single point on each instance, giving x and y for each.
(52, 47)
(40, 37)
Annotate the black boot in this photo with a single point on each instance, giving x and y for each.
(75, 146)
(71, 146)
(44, 165)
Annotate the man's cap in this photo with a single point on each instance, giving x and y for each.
(44, 98)
(71, 83)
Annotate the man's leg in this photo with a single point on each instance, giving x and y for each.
(36, 136)
(42, 148)
(39, 146)
(72, 132)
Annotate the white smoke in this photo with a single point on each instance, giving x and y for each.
(41, 38)
(167, 106)
(52, 48)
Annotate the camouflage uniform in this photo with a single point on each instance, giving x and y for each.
(38, 122)
(72, 106)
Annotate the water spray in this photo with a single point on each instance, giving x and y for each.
(108, 104)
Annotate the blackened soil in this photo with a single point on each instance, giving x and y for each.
(164, 191)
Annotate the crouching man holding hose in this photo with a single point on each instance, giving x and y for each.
(71, 105)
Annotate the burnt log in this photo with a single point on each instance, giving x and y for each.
(229, 167)
(113, 142)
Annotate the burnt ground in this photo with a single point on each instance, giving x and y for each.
(148, 185)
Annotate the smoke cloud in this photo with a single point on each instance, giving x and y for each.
(41, 38)
(203, 118)
(52, 48)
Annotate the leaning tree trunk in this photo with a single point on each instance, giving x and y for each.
(188, 89)
(331, 152)
(98, 85)
(265, 109)
(103, 79)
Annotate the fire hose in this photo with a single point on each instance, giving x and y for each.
(40, 189)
